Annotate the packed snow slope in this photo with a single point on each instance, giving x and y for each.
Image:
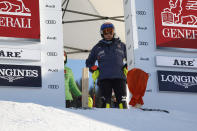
(32, 117)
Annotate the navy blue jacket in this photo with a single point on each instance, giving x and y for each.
(110, 59)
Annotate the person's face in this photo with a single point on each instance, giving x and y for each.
(108, 33)
(65, 58)
(108, 36)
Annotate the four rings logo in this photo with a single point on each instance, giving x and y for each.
(50, 22)
(53, 86)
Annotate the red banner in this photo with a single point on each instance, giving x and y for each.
(20, 19)
(176, 23)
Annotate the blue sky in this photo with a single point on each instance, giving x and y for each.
(77, 66)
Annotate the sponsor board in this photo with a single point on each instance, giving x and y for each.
(20, 54)
(176, 24)
(20, 75)
(176, 62)
(20, 19)
(177, 81)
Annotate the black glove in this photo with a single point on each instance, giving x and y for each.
(125, 65)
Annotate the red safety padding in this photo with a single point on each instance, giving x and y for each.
(137, 81)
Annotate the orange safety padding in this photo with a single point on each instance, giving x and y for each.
(137, 81)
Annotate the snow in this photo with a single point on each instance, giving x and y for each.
(16, 116)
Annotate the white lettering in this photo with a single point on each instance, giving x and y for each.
(179, 33)
(15, 22)
(179, 79)
(18, 73)
(2, 21)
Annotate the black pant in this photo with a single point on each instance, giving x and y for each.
(119, 87)
(68, 103)
(74, 103)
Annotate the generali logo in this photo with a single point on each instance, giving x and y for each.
(14, 7)
(21, 17)
(182, 13)
(176, 23)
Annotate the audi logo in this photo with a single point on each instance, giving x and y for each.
(53, 86)
(143, 43)
(141, 12)
(50, 22)
(51, 53)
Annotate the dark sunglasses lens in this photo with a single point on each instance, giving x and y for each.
(108, 31)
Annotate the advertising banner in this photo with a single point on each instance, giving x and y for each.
(20, 54)
(176, 23)
(177, 81)
(176, 62)
(20, 75)
(20, 19)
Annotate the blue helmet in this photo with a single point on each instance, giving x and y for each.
(106, 25)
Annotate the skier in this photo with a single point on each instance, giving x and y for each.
(70, 85)
(72, 89)
(110, 53)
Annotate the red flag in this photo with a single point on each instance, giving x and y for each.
(137, 82)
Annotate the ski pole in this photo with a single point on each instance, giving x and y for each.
(94, 95)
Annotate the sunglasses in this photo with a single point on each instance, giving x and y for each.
(108, 31)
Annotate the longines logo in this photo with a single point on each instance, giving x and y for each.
(17, 8)
(185, 81)
(181, 13)
(15, 74)
(177, 81)
(20, 75)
